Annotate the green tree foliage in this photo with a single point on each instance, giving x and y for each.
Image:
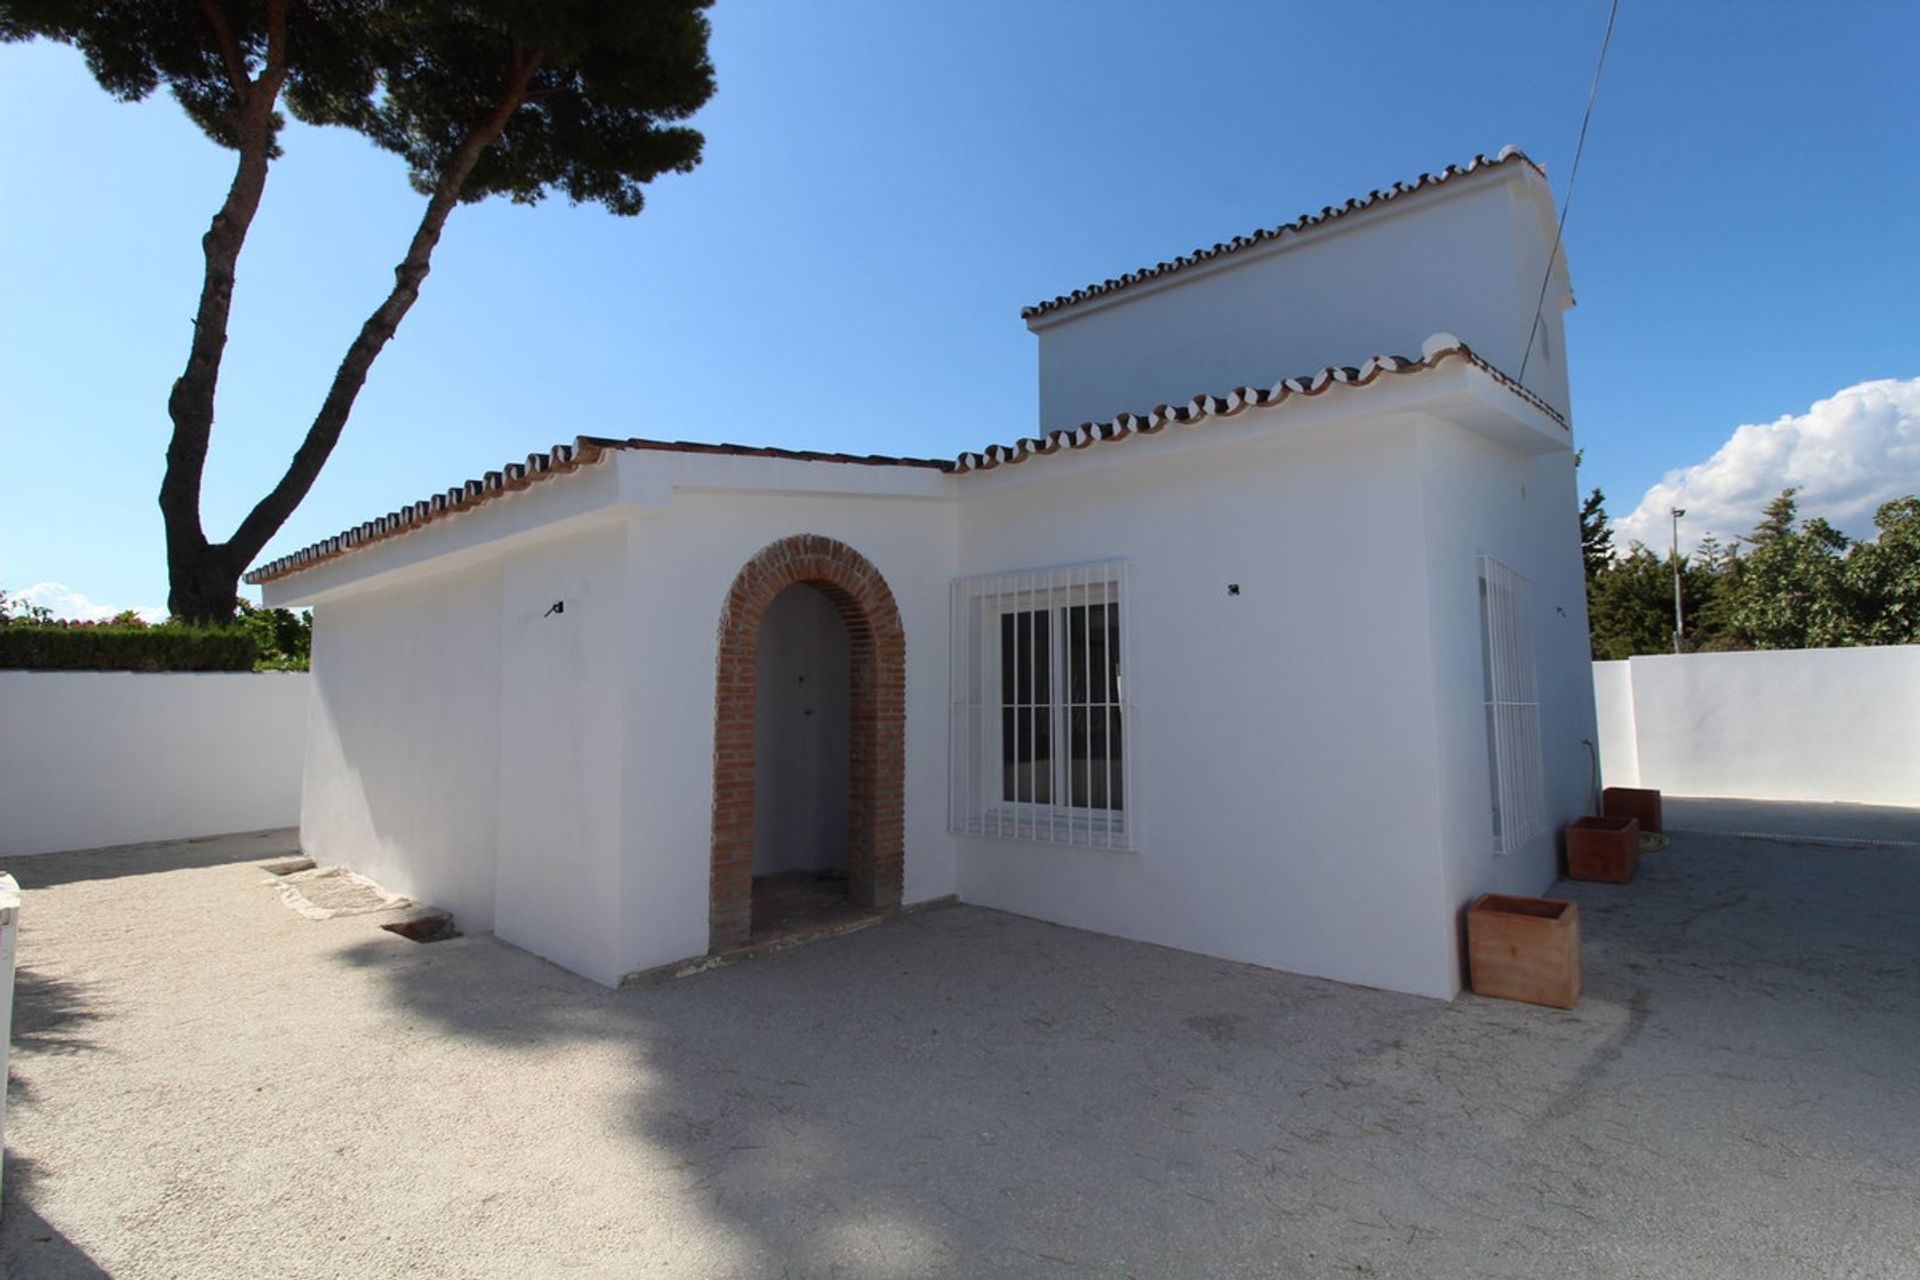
(1630, 606)
(283, 637)
(479, 98)
(1712, 585)
(1630, 603)
(118, 646)
(15, 609)
(1791, 593)
(257, 639)
(1797, 585)
(1777, 520)
(1596, 534)
(1883, 577)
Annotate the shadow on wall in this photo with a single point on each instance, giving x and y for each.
(403, 772)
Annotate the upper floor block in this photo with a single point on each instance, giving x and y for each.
(1463, 252)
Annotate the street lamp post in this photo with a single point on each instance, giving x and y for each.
(1679, 620)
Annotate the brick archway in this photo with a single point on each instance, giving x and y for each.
(878, 697)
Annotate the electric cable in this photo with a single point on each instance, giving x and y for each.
(1566, 202)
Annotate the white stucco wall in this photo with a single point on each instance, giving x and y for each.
(549, 775)
(101, 758)
(561, 815)
(1477, 499)
(467, 745)
(1791, 724)
(1619, 739)
(403, 743)
(684, 558)
(1307, 756)
(803, 736)
(1466, 259)
(1283, 776)
(9, 948)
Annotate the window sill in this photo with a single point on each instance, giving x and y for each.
(1026, 827)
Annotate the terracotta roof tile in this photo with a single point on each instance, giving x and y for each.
(1330, 213)
(1436, 351)
(587, 450)
(514, 476)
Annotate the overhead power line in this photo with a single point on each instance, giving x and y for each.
(1566, 202)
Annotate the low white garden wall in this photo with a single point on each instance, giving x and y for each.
(99, 758)
(9, 940)
(1785, 724)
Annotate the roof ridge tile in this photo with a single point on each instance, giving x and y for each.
(1434, 351)
(587, 450)
(1304, 222)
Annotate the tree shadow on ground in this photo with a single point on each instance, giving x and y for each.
(30, 1246)
(50, 1015)
(961, 1087)
(986, 1093)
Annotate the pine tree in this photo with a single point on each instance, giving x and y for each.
(1630, 606)
(481, 98)
(1778, 520)
(1596, 534)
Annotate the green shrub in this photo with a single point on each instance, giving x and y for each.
(284, 638)
(119, 646)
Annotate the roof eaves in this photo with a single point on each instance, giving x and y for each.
(1437, 350)
(515, 476)
(587, 450)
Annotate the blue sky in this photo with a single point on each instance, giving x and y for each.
(886, 184)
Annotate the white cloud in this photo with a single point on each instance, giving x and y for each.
(1848, 454)
(66, 603)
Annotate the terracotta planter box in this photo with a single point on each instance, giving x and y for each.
(1603, 849)
(1642, 804)
(1524, 949)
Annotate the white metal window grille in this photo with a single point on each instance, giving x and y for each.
(1040, 718)
(1514, 765)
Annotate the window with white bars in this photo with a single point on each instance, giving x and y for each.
(1514, 766)
(1040, 718)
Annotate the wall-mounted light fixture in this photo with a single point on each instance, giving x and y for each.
(559, 606)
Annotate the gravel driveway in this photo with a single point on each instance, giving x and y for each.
(207, 1084)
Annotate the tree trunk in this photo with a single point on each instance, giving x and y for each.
(272, 511)
(204, 577)
(204, 583)
(195, 568)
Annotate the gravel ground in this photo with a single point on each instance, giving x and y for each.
(207, 1084)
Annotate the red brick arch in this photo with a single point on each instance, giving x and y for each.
(877, 770)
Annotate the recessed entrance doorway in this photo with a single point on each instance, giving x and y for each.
(809, 746)
(801, 759)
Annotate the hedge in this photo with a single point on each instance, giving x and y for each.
(171, 646)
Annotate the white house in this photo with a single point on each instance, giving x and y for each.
(1278, 668)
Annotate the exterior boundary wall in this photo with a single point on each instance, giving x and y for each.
(1784, 724)
(96, 758)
